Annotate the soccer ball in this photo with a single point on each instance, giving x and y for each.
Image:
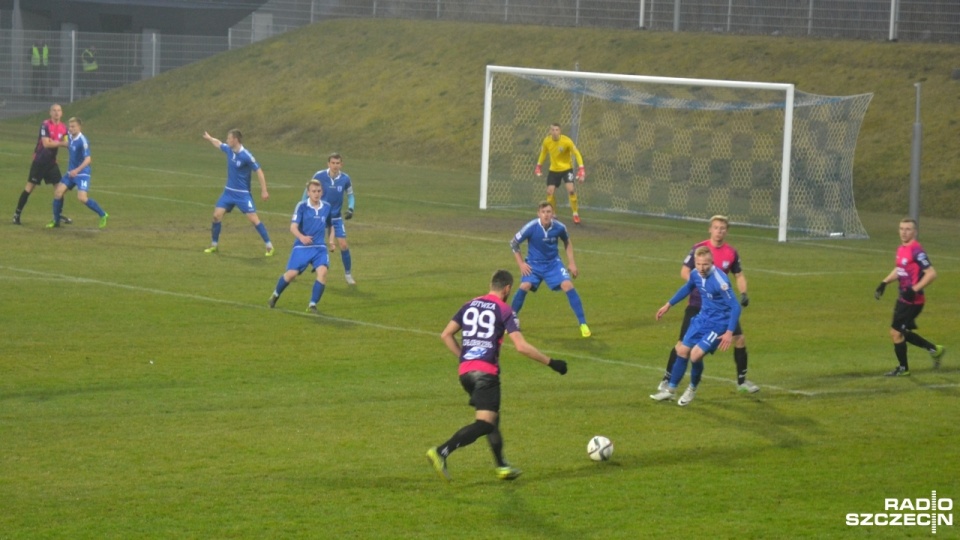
(600, 448)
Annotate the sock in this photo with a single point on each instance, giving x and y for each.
(57, 208)
(347, 262)
(576, 305)
(215, 231)
(262, 229)
(740, 357)
(696, 373)
(915, 339)
(573, 203)
(670, 362)
(679, 369)
(92, 204)
(23, 201)
(552, 200)
(496, 445)
(467, 435)
(901, 351)
(518, 299)
(281, 285)
(317, 292)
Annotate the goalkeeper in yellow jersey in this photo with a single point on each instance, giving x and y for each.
(561, 150)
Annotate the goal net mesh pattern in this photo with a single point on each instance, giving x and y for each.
(685, 152)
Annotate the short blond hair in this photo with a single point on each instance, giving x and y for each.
(721, 218)
(703, 251)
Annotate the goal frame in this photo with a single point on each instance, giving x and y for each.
(786, 88)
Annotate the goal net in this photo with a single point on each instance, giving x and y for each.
(762, 154)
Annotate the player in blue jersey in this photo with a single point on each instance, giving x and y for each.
(482, 322)
(308, 225)
(711, 329)
(240, 165)
(543, 261)
(78, 175)
(336, 185)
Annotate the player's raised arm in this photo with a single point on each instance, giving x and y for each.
(213, 140)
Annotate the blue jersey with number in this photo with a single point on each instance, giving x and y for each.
(312, 222)
(240, 165)
(79, 150)
(334, 189)
(483, 322)
(542, 241)
(720, 306)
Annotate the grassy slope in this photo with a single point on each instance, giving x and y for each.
(409, 91)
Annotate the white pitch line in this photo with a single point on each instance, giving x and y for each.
(160, 292)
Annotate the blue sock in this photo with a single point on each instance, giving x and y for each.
(518, 299)
(577, 305)
(281, 285)
(262, 229)
(679, 369)
(57, 208)
(696, 373)
(92, 204)
(317, 292)
(345, 255)
(215, 231)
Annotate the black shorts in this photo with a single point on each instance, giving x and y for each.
(905, 316)
(692, 312)
(48, 173)
(484, 390)
(554, 178)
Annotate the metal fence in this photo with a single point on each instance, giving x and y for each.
(125, 58)
(80, 64)
(906, 20)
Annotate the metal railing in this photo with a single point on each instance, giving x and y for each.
(125, 58)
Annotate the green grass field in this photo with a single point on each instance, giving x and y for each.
(146, 391)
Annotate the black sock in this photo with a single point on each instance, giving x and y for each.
(901, 350)
(23, 201)
(916, 339)
(467, 435)
(496, 446)
(670, 362)
(740, 358)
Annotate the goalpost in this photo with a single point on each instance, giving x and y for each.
(764, 154)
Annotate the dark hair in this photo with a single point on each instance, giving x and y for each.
(501, 280)
(335, 155)
(236, 135)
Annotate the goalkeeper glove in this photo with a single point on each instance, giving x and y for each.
(349, 213)
(744, 299)
(581, 173)
(908, 294)
(557, 365)
(538, 170)
(880, 288)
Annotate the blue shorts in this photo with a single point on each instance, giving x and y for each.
(554, 273)
(339, 229)
(301, 257)
(704, 334)
(81, 182)
(241, 200)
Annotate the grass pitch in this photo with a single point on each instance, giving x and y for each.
(146, 391)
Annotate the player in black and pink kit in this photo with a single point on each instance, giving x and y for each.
(726, 258)
(914, 272)
(482, 322)
(44, 167)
